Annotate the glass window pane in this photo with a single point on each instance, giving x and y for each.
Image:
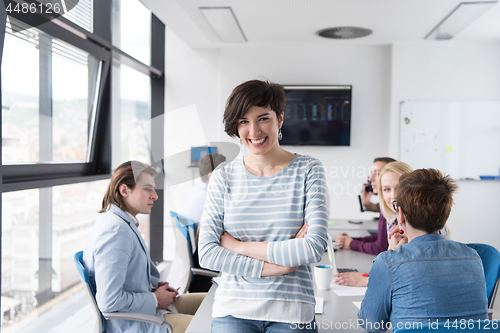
(20, 211)
(41, 231)
(81, 13)
(70, 103)
(48, 101)
(20, 98)
(132, 29)
(131, 115)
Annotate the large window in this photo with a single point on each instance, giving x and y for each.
(77, 98)
(47, 115)
(133, 39)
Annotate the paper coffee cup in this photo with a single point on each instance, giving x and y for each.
(323, 275)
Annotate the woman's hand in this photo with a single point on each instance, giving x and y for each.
(256, 250)
(303, 231)
(394, 230)
(229, 242)
(343, 240)
(396, 238)
(275, 270)
(354, 279)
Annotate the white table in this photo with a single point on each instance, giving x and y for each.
(344, 225)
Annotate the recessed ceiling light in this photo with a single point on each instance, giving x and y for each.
(344, 32)
(224, 23)
(459, 19)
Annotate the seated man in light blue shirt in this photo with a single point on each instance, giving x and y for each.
(423, 278)
(193, 207)
(118, 261)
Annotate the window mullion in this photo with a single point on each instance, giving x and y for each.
(45, 232)
(45, 98)
(44, 293)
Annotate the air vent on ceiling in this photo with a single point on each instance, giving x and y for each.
(344, 32)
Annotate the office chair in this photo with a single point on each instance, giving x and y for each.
(100, 326)
(185, 265)
(491, 265)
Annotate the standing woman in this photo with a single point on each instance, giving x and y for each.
(258, 210)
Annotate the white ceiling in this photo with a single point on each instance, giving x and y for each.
(272, 22)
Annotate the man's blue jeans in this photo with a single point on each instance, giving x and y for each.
(230, 324)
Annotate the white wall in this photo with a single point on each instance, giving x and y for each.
(381, 76)
(191, 77)
(452, 71)
(366, 68)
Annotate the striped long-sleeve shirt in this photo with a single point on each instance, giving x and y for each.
(266, 209)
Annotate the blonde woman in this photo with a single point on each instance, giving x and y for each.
(388, 183)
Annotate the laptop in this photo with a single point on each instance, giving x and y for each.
(332, 257)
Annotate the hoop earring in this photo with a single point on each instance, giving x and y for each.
(280, 136)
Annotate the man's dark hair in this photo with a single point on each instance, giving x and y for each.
(208, 163)
(426, 197)
(384, 159)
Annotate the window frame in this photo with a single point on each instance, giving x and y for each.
(17, 177)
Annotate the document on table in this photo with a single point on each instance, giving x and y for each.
(347, 291)
(318, 309)
(357, 304)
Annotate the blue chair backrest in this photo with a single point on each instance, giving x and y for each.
(491, 264)
(183, 224)
(85, 278)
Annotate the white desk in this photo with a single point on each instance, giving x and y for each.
(336, 309)
(344, 225)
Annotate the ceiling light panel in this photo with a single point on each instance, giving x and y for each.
(459, 19)
(224, 23)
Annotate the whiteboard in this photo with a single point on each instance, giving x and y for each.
(461, 138)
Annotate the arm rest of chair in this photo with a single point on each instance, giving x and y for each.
(160, 321)
(204, 272)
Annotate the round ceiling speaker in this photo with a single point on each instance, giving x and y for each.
(344, 32)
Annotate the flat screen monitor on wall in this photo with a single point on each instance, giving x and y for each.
(317, 116)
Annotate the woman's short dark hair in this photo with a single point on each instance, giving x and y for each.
(426, 197)
(252, 93)
(126, 173)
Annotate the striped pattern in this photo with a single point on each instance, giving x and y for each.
(266, 209)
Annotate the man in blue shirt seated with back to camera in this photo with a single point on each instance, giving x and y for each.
(423, 278)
